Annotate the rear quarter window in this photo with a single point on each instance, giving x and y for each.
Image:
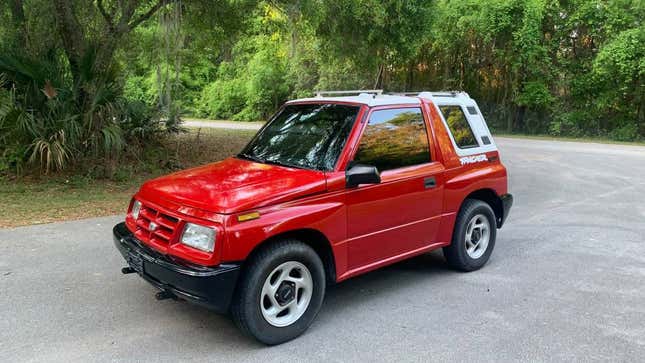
(459, 127)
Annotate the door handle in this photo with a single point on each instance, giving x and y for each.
(429, 182)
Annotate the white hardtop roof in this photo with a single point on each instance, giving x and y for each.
(377, 98)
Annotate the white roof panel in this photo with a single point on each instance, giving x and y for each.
(366, 99)
(377, 99)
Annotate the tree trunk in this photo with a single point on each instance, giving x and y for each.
(18, 18)
(105, 53)
(519, 121)
(379, 77)
(71, 34)
(506, 104)
(409, 79)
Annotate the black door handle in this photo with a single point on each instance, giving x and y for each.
(429, 182)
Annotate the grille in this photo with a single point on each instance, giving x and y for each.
(155, 227)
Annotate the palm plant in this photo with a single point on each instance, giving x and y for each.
(42, 120)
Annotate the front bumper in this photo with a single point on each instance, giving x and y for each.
(211, 287)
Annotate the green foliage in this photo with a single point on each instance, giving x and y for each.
(42, 124)
(254, 85)
(223, 98)
(568, 123)
(535, 94)
(627, 132)
(618, 73)
(569, 68)
(63, 105)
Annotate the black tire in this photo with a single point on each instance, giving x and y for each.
(456, 253)
(245, 308)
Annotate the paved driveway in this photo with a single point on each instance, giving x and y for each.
(217, 124)
(566, 282)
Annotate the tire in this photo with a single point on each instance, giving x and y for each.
(472, 254)
(253, 308)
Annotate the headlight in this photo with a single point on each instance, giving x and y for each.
(136, 208)
(199, 237)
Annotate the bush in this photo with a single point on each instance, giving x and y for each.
(223, 99)
(627, 132)
(43, 125)
(566, 124)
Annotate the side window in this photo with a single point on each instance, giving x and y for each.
(393, 139)
(459, 126)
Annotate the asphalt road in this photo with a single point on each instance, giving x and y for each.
(565, 283)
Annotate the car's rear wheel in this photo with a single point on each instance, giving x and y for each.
(473, 238)
(280, 292)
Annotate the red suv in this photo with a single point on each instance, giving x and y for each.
(328, 189)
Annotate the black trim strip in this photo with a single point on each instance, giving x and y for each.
(507, 203)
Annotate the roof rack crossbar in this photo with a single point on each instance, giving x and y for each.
(351, 92)
(446, 93)
(405, 93)
(432, 93)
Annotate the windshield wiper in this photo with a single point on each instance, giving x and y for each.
(280, 163)
(272, 162)
(251, 157)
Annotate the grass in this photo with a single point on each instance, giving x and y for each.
(599, 140)
(50, 199)
(33, 202)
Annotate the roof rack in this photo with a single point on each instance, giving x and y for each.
(374, 92)
(428, 93)
(445, 93)
(411, 93)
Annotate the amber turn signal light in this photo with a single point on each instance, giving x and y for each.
(248, 216)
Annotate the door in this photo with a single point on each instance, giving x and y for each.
(401, 214)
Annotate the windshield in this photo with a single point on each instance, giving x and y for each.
(309, 136)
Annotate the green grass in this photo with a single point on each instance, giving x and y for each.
(45, 199)
(55, 199)
(587, 139)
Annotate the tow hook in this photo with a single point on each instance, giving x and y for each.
(165, 294)
(128, 270)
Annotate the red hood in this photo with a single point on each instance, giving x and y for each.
(233, 185)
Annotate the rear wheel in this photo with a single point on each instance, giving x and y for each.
(473, 238)
(280, 292)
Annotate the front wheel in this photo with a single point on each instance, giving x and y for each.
(280, 292)
(473, 238)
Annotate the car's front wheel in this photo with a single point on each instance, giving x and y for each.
(280, 292)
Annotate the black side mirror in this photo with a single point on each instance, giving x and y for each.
(361, 174)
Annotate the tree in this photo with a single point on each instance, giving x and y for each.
(79, 74)
(380, 37)
(91, 53)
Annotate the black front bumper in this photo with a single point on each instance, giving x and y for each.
(211, 287)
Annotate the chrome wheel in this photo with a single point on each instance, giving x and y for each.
(477, 236)
(286, 294)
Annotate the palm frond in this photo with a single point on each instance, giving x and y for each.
(113, 141)
(52, 153)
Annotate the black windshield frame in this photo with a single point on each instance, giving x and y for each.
(304, 135)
